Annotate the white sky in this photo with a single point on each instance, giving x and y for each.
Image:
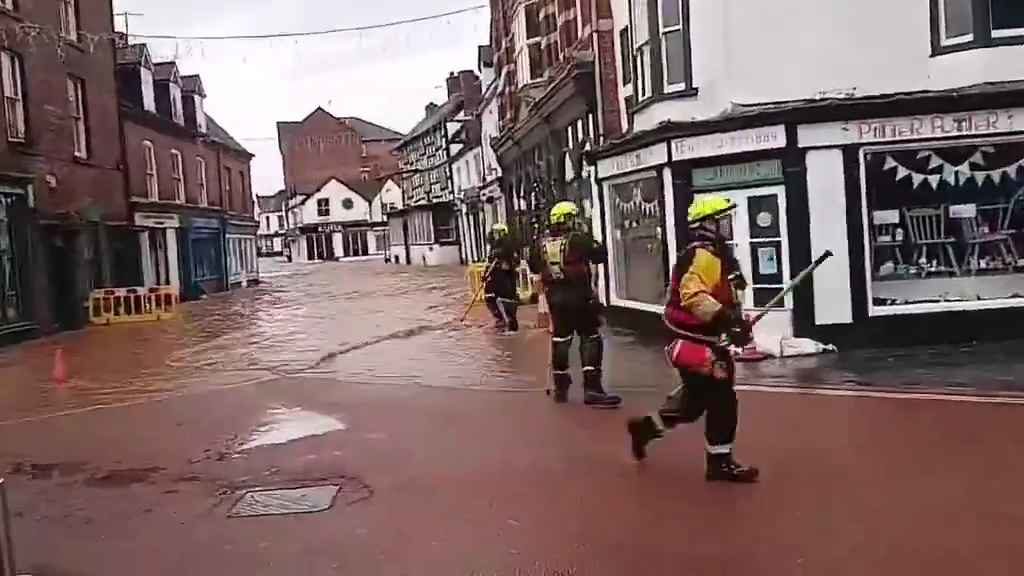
(385, 76)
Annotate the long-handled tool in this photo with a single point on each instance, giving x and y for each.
(800, 278)
(483, 283)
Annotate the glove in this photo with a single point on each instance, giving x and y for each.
(739, 331)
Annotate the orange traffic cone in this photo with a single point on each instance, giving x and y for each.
(60, 368)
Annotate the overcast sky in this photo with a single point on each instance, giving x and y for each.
(385, 76)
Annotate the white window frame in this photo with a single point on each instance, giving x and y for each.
(7, 5)
(178, 176)
(910, 309)
(152, 173)
(1007, 33)
(69, 19)
(77, 112)
(641, 50)
(524, 70)
(323, 211)
(956, 40)
(663, 33)
(201, 177)
(14, 96)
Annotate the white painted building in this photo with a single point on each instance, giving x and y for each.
(895, 141)
(337, 222)
(270, 213)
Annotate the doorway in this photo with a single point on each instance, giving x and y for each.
(356, 244)
(760, 242)
(319, 247)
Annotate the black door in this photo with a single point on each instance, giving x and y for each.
(65, 281)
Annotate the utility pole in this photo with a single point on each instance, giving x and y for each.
(126, 16)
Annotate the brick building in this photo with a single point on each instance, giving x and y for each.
(64, 226)
(188, 181)
(558, 97)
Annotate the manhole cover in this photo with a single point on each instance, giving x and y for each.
(280, 502)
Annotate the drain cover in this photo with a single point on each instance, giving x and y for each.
(280, 502)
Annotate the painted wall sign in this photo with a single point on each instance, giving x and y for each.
(768, 171)
(912, 128)
(205, 223)
(709, 145)
(636, 160)
(155, 220)
(333, 227)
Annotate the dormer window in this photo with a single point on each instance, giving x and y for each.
(177, 113)
(201, 127)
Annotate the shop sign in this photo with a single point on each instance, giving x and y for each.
(331, 227)
(205, 223)
(153, 220)
(764, 172)
(980, 123)
(636, 160)
(710, 145)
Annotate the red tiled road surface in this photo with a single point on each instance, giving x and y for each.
(453, 460)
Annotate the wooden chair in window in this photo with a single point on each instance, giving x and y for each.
(977, 238)
(927, 228)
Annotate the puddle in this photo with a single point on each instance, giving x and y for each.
(122, 478)
(290, 424)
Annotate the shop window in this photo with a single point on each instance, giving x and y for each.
(206, 259)
(637, 239)
(10, 300)
(945, 224)
(421, 227)
(966, 24)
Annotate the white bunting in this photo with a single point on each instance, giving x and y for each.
(979, 177)
(997, 176)
(936, 162)
(949, 175)
(978, 159)
(901, 172)
(934, 180)
(889, 163)
(917, 178)
(924, 154)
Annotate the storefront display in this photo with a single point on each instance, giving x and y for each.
(10, 299)
(637, 239)
(945, 222)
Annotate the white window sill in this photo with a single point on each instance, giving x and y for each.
(911, 309)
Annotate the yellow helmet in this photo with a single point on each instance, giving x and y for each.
(564, 212)
(499, 230)
(707, 207)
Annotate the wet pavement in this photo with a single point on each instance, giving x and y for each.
(450, 460)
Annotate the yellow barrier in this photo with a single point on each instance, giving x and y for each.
(121, 305)
(526, 283)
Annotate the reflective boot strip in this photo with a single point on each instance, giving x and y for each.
(561, 372)
(560, 340)
(591, 368)
(720, 450)
(656, 418)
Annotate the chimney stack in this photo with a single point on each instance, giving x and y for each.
(454, 85)
(471, 90)
(431, 108)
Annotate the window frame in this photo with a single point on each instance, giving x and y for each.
(983, 33)
(683, 28)
(178, 175)
(70, 27)
(9, 5)
(16, 65)
(78, 111)
(323, 207)
(201, 179)
(152, 177)
(528, 75)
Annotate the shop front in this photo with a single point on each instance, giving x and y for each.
(204, 257)
(243, 264)
(934, 220)
(15, 308)
(924, 213)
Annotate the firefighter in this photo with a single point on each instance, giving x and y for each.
(563, 260)
(703, 310)
(500, 286)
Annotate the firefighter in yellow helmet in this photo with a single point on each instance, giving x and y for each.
(704, 313)
(501, 295)
(563, 260)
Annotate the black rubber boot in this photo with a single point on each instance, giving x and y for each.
(722, 468)
(594, 394)
(642, 431)
(560, 391)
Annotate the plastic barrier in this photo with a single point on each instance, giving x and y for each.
(475, 277)
(121, 305)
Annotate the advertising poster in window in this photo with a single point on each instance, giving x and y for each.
(946, 224)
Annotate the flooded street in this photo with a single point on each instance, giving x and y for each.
(367, 431)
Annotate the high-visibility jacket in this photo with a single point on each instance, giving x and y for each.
(702, 290)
